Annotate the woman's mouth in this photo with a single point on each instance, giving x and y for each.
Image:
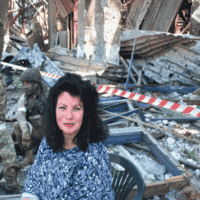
(69, 125)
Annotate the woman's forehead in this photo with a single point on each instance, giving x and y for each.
(66, 98)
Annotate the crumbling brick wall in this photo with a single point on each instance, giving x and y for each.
(195, 18)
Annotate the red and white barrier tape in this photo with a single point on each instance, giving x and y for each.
(130, 95)
(150, 100)
(49, 75)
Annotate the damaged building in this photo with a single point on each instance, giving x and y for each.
(143, 56)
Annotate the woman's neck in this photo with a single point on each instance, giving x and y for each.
(69, 144)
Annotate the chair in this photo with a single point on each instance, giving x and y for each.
(124, 181)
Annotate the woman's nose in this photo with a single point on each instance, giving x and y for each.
(69, 114)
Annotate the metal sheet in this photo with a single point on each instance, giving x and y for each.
(149, 46)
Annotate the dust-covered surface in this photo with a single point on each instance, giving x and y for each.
(151, 169)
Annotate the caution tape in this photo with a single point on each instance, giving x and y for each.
(150, 100)
(49, 75)
(130, 95)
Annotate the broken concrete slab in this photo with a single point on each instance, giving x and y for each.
(77, 64)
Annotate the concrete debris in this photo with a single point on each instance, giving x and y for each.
(179, 149)
(159, 59)
(168, 64)
(162, 143)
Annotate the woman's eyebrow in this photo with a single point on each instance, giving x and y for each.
(63, 104)
(59, 104)
(79, 104)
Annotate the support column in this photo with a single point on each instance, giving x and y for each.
(52, 21)
(81, 28)
(102, 31)
(99, 50)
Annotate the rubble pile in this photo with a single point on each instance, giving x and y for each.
(184, 151)
(161, 141)
(168, 72)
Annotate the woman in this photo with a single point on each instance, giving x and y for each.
(71, 162)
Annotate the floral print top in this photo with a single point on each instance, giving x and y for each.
(70, 175)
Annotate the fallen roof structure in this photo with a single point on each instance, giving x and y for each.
(156, 15)
(163, 57)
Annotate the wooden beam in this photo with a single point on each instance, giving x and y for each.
(127, 68)
(23, 17)
(142, 13)
(16, 17)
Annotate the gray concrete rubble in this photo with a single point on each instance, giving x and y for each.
(187, 153)
(143, 47)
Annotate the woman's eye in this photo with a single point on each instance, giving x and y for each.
(62, 108)
(77, 108)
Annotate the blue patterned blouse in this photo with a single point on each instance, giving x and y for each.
(71, 174)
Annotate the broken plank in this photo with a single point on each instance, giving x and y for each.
(151, 15)
(17, 38)
(176, 119)
(161, 188)
(36, 37)
(181, 89)
(171, 164)
(142, 13)
(149, 43)
(16, 32)
(113, 119)
(141, 41)
(117, 106)
(146, 149)
(133, 14)
(179, 181)
(159, 46)
(127, 68)
(137, 72)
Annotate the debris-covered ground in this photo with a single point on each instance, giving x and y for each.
(174, 132)
(164, 66)
(182, 150)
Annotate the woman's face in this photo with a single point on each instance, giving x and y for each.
(69, 114)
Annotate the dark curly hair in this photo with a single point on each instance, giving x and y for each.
(92, 130)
